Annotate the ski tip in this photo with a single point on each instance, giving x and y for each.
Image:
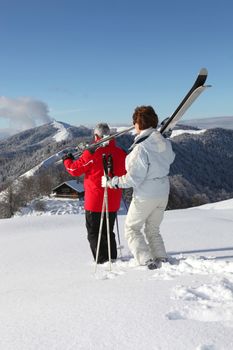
(203, 71)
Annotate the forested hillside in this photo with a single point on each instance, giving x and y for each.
(23, 151)
(201, 173)
(202, 170)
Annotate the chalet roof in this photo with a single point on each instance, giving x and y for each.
(77, 186)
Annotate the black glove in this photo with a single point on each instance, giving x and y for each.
(167, 134)
(92, 148)
(68, 156)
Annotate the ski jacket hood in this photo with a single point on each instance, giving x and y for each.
(148, 165)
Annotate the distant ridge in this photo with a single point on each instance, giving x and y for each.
(210, 123)
(201, 173)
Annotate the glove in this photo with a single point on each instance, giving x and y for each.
(167, 134)
(68, 156)
(110, 183)
(105, 143)
(92, 148)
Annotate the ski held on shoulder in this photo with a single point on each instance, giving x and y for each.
(168, 124)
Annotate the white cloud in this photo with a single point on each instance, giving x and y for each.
(23, 112)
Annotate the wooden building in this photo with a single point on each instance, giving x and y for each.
(69, 189)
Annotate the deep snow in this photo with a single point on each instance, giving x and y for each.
(52, 299)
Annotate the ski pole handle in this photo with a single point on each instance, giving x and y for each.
(105, 165)
(110, 165)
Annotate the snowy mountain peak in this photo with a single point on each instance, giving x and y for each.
(62, 131)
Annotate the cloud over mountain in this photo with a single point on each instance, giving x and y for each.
(24, 112)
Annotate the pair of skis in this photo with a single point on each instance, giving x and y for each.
(195, 91)
(169, 123)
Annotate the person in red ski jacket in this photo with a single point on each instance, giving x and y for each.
(91, 165)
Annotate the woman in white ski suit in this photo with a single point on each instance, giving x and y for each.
(147, 168)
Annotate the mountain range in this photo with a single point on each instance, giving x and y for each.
(201, 173)
(210, 123)
(25, 150)
(200, 123)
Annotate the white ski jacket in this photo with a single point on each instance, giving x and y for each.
(148, 165)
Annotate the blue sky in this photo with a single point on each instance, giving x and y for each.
(96, 60)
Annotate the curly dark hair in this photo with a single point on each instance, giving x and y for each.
(146, 117)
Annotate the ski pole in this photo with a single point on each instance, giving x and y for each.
(110, 172)
(108, 228)
(118, 236)
(104, 209)
(100, 231)
(107, 168)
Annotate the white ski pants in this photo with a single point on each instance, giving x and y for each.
(149, 213)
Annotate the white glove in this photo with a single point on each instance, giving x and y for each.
(105, 143)
(110, 183)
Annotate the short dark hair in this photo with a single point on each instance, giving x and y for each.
(146, 117)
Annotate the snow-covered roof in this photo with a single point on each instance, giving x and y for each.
(77, 186)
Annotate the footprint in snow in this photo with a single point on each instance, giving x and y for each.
(209, 302)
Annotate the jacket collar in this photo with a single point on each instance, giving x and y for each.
(144, 134)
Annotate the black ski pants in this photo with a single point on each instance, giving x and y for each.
(92, 225)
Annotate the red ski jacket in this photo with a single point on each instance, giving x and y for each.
(92, 166)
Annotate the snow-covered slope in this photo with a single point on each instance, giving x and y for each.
(227, 204)
(51, 298)
(34, 148)
(177, 132)
(62, 131)
(44, 164)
